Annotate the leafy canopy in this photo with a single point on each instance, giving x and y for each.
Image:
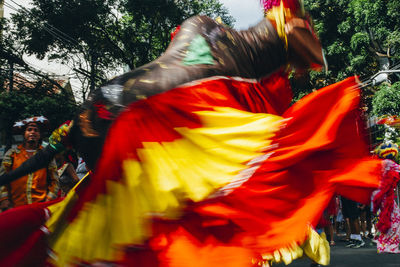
(96, 37)
(358, 37)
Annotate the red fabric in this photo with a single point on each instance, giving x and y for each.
(332, 208)
(22, 241)
(175, 32)
(157, 117)
(319, 152)
(277, 99)
(102, 111)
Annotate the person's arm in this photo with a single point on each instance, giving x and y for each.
(72, 173)
(42, 158)
(38, 161)
(5, 167)
(53, 178)
(5, 202)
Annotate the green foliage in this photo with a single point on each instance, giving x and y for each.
(39, 100)
(359, 40)
(28, 98)
(99, 36)
(354, 35)
(387, 100)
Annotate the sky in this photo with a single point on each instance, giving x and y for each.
(246, 12)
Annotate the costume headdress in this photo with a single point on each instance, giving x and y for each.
(281, 11)
(41, 121)
(292, 5)
(387, 150)
(175, 32)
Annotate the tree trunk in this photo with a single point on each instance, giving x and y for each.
(93, 65)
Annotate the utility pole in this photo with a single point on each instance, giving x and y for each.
(93, 65)
(11, 78)
(1, 13)
(1, 9)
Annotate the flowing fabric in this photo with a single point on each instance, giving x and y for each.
(216, 180)
(23, 235)
(194, 167)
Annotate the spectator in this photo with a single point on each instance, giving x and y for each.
(366, 221)
(66, 163)
(81, 170)
(351, 212)
(330, 214)
(39, 186)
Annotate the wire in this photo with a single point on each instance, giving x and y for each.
(49, 29)
(60, 34)
(51, 73)
(55, 32)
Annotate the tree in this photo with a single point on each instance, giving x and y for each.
(20, 96)
(360, 37)
(97, 36)
(94, 37)
(33, 98)
(386, 101)
(65, 33)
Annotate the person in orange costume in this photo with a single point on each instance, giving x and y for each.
(42, 185)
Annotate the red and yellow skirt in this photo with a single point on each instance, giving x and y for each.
(215, 173)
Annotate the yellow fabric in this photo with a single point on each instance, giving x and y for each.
(59, 209)
(280, 15)
(168, 173)
(316, 247)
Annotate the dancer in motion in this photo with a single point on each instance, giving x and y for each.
(198, 160)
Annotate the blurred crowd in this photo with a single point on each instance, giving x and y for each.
(347, 221)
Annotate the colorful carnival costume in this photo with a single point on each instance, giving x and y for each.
(198, 160)
(38, 186)
(390, 242)
(388, 238)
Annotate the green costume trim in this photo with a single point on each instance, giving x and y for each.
(198, 53)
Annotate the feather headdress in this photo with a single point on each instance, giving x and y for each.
(293, 5)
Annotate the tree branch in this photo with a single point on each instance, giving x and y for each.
(19, 61)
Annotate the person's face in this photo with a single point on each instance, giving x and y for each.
(32, 134)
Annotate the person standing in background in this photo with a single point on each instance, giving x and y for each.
(351, 212)
(39, 186)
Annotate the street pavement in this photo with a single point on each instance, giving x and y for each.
(350, 257)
